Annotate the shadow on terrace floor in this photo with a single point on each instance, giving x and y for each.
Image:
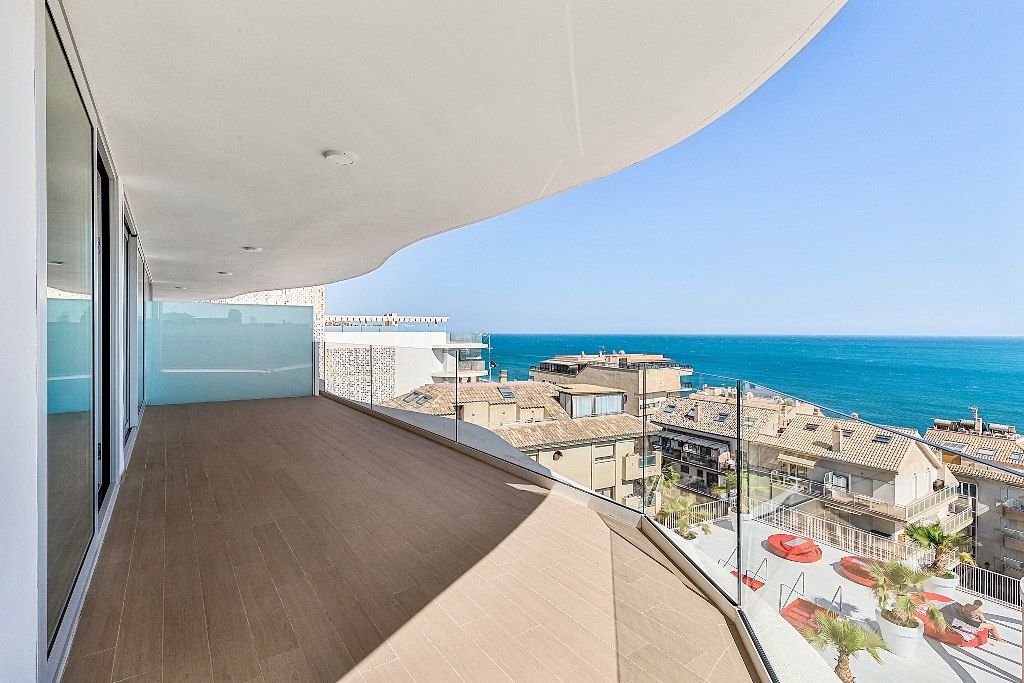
(301, 540)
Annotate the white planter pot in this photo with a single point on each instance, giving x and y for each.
(690, 542)
(944, 587)
(900, 640)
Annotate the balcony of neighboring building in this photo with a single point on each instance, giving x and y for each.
(1011, 508)
(840, 497)
(1013, 539)
(463, 340)
(303, 540)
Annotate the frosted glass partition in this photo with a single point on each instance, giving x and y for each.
(197, 352)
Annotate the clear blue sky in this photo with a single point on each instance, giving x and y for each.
(874, 185)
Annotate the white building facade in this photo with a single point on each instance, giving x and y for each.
(379, 357)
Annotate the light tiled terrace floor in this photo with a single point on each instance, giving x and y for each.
(300, 540)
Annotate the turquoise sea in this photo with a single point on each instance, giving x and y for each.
(903, 381)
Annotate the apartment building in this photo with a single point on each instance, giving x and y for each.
(872, 479)
(171, 154)
(697, 433)
(406, 352)
(646, 378)
(997, 495)
(580, 431)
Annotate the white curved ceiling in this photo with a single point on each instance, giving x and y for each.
(217, 115)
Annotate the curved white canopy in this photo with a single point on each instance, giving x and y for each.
(218, 115)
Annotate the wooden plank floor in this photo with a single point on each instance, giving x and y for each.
(300, 540)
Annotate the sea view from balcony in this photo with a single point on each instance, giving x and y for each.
(904, 381)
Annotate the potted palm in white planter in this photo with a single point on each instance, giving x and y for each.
(949, 548)
(847, 638)
(894, 586)
(688, 520)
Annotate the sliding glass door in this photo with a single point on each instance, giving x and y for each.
(70, 310)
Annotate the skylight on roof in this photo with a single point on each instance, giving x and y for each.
(506, 393)
(957, 446)
(1015, 457)
(721, 417)
(882, 438)
(810, 426)
(670, 408)
(749, 421)
(847, 433)
(411, 397)
(423, 399)
(987, 452)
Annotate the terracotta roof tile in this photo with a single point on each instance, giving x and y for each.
(986, 473)
(970, 443)
(714, 417)
(859, 447)
(568, 432)
(558, 429)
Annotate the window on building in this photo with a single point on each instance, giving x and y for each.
(606, 492)
(582, 406)
(968, 489)
(608, 404)
(604, 458)
(722, 417)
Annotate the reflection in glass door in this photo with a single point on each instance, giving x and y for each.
(70, 297)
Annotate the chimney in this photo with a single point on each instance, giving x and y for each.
(696, 412)
(837, 439)
(503, 376)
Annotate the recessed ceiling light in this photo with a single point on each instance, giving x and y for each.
(253, 248)
(223, 272)
(55, 263)
(181, 287)
(339, 158)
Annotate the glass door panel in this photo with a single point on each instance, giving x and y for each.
(69, 331)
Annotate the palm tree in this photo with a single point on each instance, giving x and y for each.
(847, 638)
(682, 507)
(895, 584)
(946, 546)
(669, 478)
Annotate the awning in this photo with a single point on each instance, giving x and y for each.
(798, 459)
